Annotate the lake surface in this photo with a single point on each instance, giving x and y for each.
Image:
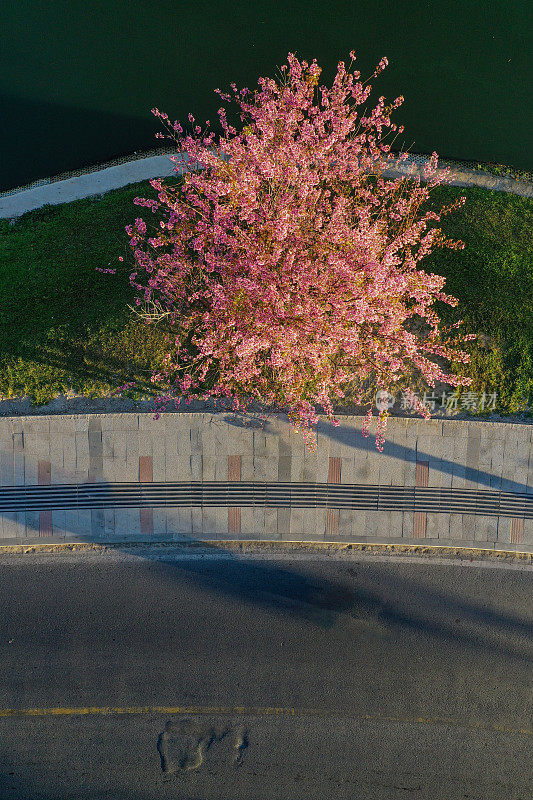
(78, 78)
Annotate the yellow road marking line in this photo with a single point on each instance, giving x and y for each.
(248, 711)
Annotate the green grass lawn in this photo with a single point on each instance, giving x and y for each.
(493, 279)
(63, 325)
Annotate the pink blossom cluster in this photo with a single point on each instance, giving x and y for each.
(292, 266)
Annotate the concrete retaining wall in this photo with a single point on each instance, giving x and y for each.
(218, 446)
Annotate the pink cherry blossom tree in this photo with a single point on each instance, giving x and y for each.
(290, 274)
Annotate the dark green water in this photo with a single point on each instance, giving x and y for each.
(78, 79)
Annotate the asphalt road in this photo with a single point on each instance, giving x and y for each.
(264, 677)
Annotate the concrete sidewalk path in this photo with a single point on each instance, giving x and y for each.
(19, 201)
(93, 183)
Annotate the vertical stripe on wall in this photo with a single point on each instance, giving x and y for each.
(96, 471)
(517, 530)
(332, 514)
(44, 473)
(96, 455)
(422, 476)
(334, 471)
(234, 474)
(146, 515)
(422, 473)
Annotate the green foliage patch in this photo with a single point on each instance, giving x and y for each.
(493, 279)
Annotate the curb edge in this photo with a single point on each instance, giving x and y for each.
(272, 544)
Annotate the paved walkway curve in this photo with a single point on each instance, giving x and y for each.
(115, 175)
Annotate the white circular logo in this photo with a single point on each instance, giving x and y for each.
(384, 400)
